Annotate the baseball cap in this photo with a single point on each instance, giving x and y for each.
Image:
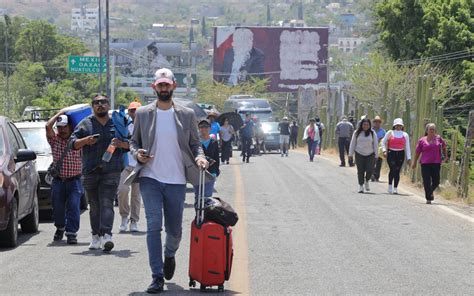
(134, 105)
(164, 75)
(285, 118)
(377, 118)
(398, 121)
(204, 122)
(61, 120)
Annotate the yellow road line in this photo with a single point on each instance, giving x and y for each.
(240, 273)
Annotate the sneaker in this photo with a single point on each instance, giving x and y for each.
(58, 235)
(227, 162)
(71, 240)
(107, 243)
(133, 226)
(361, 189)
(156, 286)
(390, 189)
(124, 224)
(95, 243)
(428, 202)
(367, 187)
(169, 267)
(395, 190)
(286, 155)
(372, 179)
(282, 155)
(342, 165)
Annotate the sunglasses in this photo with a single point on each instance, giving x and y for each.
(100, 102)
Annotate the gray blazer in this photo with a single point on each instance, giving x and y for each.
(186, 124)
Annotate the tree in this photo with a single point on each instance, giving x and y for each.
(37, 42)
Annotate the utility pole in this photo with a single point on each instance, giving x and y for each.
(112, 86)
(100, 48)
(7, 67)
(107, 41)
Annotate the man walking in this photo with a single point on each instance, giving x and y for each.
(284, 128)
(165, 142)
(129, 206)
(293, 135)
(380, 132)
(66, 189)
(96, 135)
(344, 131)
(321, 129)
(246, 132)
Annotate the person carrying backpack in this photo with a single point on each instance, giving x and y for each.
(321, 129)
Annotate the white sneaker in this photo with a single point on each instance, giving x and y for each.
(361, 189)
(390, 189)
(367, 187)
(95, 243)
(133, 226)
(124, 224)
(395, 190)
(107, 243)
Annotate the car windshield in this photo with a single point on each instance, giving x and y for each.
(261, 103)
(263, 116)
(35, 139)
(270, 127)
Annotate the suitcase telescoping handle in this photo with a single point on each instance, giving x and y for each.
(201, 199)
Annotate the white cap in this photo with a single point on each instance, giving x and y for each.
(398, 121)
(164, 75)
(61, 120)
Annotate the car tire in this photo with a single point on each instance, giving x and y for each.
(30, 223)
(9, 236)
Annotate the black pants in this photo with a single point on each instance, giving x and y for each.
(246, 151)
(293, 141)
(395, 161)
(365, 167)
(378, 167)
(344, 144)
(226, 150)
(431, 176)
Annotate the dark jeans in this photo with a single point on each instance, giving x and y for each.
(311, 148)
(101, 190)
(344, 144)
(293, 141)
(226, 150)
(246, 151)
(162, 202)
(378, 167)
(431, 177)
(365, 167)
(66, 198)
(395, 161)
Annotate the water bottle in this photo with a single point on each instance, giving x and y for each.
(108, 153)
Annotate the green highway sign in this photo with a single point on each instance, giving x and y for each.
(181, 79)
(86, 64)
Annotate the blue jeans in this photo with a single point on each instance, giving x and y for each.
(208, 189)
(312, 147)
(66, 198)
(101, 190)
(162, 199)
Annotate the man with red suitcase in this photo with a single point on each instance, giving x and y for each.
(166, 144)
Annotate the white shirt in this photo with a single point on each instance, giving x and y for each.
(131, 160)
(167, 165)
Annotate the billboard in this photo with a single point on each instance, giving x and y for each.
(290, 57)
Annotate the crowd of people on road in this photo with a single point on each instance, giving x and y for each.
(166, 147)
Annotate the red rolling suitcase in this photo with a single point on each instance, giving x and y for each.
(211, 252)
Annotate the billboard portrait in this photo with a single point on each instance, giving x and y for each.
(290, 57)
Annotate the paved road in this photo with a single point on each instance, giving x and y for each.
(303, 231)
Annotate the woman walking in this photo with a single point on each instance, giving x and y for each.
(311, 136)
(396, 147)
(432, 148)
(226, 134)
(365, 146)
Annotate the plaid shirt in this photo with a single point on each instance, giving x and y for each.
(72, 163)
(92, 154)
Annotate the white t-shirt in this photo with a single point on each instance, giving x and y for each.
(131, 160)
(167, 165)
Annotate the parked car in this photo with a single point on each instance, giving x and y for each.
(271, 136)
(34, 133)
(19, 185)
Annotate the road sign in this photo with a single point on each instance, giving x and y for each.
(86, 64)
(181, 79)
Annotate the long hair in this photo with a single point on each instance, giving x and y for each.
(367, 132)
(427, 127)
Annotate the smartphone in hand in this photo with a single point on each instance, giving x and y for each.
(96, 136)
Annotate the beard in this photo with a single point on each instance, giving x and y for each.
(164, 96)
(102, 114)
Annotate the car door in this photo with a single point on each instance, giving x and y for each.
(24, 171)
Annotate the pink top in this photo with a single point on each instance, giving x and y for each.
(311, 133)
(430, 151)
(397, 144)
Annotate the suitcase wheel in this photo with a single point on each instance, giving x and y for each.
(192, 283)
(220, 289)
(202, 288)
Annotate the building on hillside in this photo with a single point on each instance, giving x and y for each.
(348, 20)
(349, 44)
(85, 19)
